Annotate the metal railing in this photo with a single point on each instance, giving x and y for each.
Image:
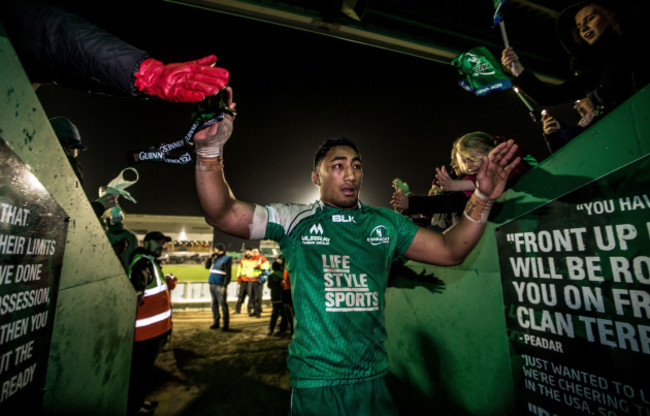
(197, 294)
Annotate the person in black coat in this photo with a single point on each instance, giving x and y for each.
(604, 43)
(56, 45)
(278, 310)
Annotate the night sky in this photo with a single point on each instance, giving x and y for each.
(294, 89)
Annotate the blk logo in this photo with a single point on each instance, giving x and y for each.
(342, 218)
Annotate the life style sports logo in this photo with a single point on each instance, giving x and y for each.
(346, 291)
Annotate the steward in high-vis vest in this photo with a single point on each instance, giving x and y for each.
(153, 323)
(242, 281)
(154, 314)
(256, 267)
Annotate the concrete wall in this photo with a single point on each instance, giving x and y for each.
(447, 338)
(90, 354)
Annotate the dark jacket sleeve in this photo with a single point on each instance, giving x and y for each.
(48, 36)
(142, 274)
(561, 137)
(228, 269)
(98, 208)
(429, 205)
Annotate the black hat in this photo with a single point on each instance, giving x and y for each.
(566, 28)
(67, 133)
(220, 247)
(156, 235)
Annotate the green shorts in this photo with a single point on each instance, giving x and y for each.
(368, 398)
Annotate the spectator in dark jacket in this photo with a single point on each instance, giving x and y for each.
(604, 42)
(220, 266)
(50, 40)
(275, 286)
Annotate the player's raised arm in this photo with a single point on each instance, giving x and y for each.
(458, 241)
(221, 209)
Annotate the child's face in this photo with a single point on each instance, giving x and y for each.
(454, 164)
(470, 161)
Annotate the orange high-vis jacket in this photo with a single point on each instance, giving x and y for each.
(250, 269)
(154, 314)
(286, 281)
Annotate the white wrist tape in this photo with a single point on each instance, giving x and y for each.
(209, 151)
(481, 195)
(478, 208)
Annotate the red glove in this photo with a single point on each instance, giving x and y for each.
(185, 82)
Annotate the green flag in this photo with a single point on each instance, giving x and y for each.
(400, 185)
(481, 73)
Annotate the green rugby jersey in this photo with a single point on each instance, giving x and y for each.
(338, 261)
